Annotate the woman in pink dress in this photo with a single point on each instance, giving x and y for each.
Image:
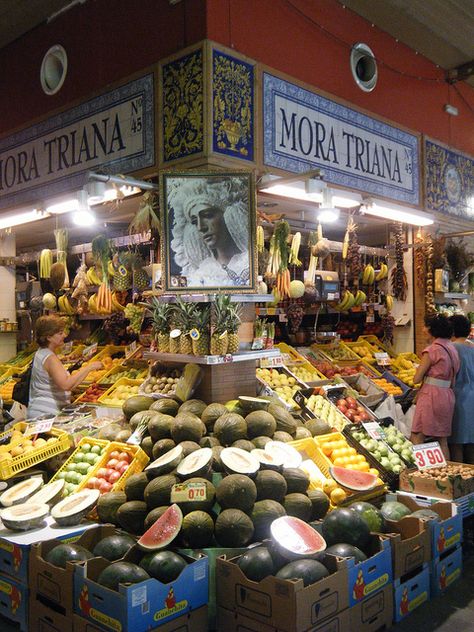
(435, 401)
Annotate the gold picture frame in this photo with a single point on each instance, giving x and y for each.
(208, 223)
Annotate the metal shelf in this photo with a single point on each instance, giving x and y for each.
(212, 359)
(209, 298)
(440, 297)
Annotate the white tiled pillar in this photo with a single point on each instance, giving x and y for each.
(7, 296)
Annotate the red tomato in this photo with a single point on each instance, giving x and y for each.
(357, 419)
(102, 472)
(114, 455)
(124, 456)
(91, 483)
(124, 467)
(113, 478)
(105, 487)
(112, 463)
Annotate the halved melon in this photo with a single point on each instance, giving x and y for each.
(237, 461)
(20, 492)
(50, 494)
(163, 531)
(267, 461)
(250, 404)
(295, 538)
(24, 517)
(72, 509)
(167, 462)
(354, 480)
(197, 463)
(286, 453)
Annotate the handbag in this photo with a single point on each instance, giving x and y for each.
(21, 390)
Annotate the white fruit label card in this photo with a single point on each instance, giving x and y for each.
(382, 358)
(39, 426)
(272, 362)
(184, 492)
(374, 430)
(131, 349)
(90, 350)
(428, 455)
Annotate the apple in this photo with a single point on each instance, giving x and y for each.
(112, 463)
(113, 478)
(350, 415)
(102, 472)
(352, 405)
(357, 419)
(93, 482)
(105, 487)
(341, 402)
(114, 455)
(343, 409)
(124, 456)
(351, 400)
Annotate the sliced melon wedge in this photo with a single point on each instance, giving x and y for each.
(50, 494)
(287, 453)
(24, 517)
(167, 462)
(20, 492)
(72, 509)
(237, 461)
(267, 461)
(198, 463)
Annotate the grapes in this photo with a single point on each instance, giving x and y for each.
(135, 315)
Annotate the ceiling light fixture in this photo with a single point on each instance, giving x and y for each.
(63, 207)
(17, 219)
(306, 186)
(84, 217)
(395, 213)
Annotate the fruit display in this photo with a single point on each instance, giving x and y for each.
(363, 351)
(284, 385)
(21, 444)
(162, 381)
(109, 362)
(399, 444)
(337, 352)
(383, 451)
(21, 359)
(330, 370)
(135, 314)
(304, 374)
(352, 409)
(6, 389)
(404, 368)
(323, 409)
(388, 387)
(91, 394)
(119, 393)
(80, 465)
(110, 472)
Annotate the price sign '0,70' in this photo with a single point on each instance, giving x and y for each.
(428, 455)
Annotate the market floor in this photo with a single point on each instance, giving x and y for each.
(452, 611)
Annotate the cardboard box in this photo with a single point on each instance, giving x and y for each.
(195, 621)
(445, 570)
(373, 613)
(44, 619)
(284, 604)
(231, 621)
(450, 488)
(446, 532)
(15, 547)
(411, 545)
(139, 607)
(409, 592)
(52, 585)
(14, 601)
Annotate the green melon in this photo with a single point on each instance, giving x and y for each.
(236, 491)
(194, 406)
(121, 573)
(284, 421)
(297, 481)
(260, 424)
(257, 563)
(209, 442)
(135, 486)
(229, 428)
(146, 445)
(310, 571)
(159, 426)
(217, 464)
(187, 427)
(108, 505)
(270, 485)
(212, 413)
(261, 442)
(282, 436)
(166, 406)
(158, 491)
(188, 447)
(244, 444)
(395, 511)
(264, 512)
(320, 503)
(317, 427)
(136, 404)
(131, 516)
(113, 547)
(298, 505)
(199, 505)
(162, 447)
(140, 418)
(302, 433)
(197, 530)
(165, 566)
(233, 528)
(345, 525)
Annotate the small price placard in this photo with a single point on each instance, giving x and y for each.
(183, 492)
(131, 349)
(382, 358)
(370, 318)
(90, 350)
(374, 430)
(39, 426)
(428, 455)
(267, 363)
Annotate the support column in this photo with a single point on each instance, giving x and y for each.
(8, 342)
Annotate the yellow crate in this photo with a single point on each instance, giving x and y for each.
(121, 382)
(79, 398)
(14, 377)
(325, 350)
(103, 443)
(22, 362)
(407, 355)
(137, 464)
(9, 468)
(366, 365)
(118, 369)
(375, 342)
(365, 345)
(108, 350)
(291, 352)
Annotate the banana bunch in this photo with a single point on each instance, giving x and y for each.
(92, 277)
(360, 298)
(368, 276)
(46, 261)
(116, 305)
(65, 305)
(383, 272)
(348, 301)
(389, 302)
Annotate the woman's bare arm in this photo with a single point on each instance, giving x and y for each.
(422, 368)
(62, 378)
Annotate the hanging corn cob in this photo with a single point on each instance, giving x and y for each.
(260, 240)
(295, 249)
(282, 232)
(46, 261)
(61, 236)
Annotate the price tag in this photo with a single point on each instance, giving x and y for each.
(90, 350)
(374, 430)
(428, 455)
(283, 318)
(67, 348)
(39, 426)
(131, 349)
(183, 492)
(382, 358)
(267, 363)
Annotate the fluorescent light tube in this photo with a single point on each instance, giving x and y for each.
(397, 214)
(22, 218)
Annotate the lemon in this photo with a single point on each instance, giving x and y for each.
(373, 471)
(329, 485)
(337, 496)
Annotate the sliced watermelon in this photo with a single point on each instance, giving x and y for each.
(163, 531)
(294, 538)
(354, 480)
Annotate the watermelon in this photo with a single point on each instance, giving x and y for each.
(346, 550)
(163, 531)
(121, 573)
(256, 564)
(295, 538)
(310, 571)
(426, 514)
(113, 547)
(345, 525)
(165, 566)
(233, 528)
(395, 511)
(353, 479)
(197, 530)
(372, 516)
(63, 553)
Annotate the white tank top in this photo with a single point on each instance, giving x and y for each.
(45, 397)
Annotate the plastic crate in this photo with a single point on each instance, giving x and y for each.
(9, 468)
(375, 342)
(10, 375)
(394, 380)
(325, 350)
(291, 352)
(138, 463)
(121, 382)
(118, 369)
(368, 367)
(80, 398)
(103, 443)
(21, 360)
(363, 343)
(377, 394)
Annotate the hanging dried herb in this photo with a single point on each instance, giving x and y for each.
(147, 217)
(399, 277)
(459, 258)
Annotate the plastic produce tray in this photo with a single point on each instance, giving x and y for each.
(103, 443)
(80, 398)
(10, 467)
(21, 360)
(375, 342)
(325, 350)
(395, 380)
(118, 369)
(121, 382)
(365, 345)
(377, 395)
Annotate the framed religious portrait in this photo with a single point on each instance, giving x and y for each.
(208, 232)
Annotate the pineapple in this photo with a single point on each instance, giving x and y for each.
(201, 324)
(219, 340)
(232, 323)
(184, 315)
(141, 280)
(160, 314)
(123, 273)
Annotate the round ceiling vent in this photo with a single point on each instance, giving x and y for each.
(53, 69)
(364, 67)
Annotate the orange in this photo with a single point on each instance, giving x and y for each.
(337, 496)
(329, 485)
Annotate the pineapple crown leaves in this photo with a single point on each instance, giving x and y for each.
(222, 307)
(160, 315)
(202, 318)
(234, 317)
(183, 313)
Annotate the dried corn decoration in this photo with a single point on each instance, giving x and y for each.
(399, 277)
